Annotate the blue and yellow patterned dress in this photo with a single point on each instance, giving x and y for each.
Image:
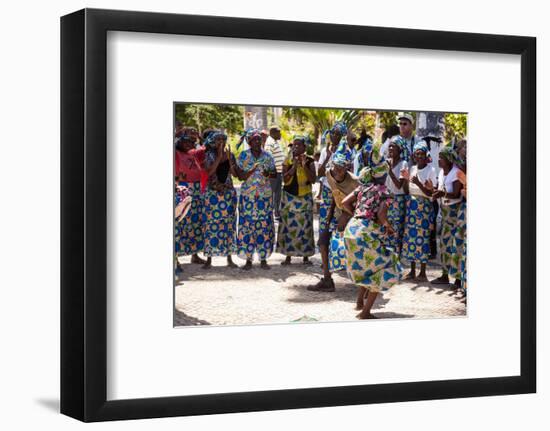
(371, 263)
(220, 210)
(295, 234)
(255, 230)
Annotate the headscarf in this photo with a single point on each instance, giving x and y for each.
(338, 126)
(342, 156)
(182, 137)
(210, 140)
(422, 146)
(248, 135)
(301, 138)
(253, 133)
(367, 145)
(449, 153)
(402, 144)
(377, 169)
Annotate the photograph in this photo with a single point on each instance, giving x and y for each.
(313, 214)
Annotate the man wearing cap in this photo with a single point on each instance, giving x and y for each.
(273, 147)
(406, 129)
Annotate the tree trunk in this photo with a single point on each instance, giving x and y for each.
(255, 117)
(430, 124)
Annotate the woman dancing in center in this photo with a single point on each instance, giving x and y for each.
(371, 264)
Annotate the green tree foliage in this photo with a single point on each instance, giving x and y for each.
(314, 121)
(226, 117)
(455, 126)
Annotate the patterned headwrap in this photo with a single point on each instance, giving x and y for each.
(342, 156)
(210, 141)
(367, 145)
(449, 153)
(422, 146)
(338, 126)
(341, 127)
(253, 133)
(402, 144)
(300, 138)
(182, 137)
(377, 169)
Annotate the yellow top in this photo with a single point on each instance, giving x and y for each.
(304, 187)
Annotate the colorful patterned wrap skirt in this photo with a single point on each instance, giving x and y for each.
(451, 240)
(337, 252)
(324, 208)
(256, 233)
(219, 219)
(463, 227)
(370, 263)
(188, 232)
(295, 233)
(396, 216)
(419, 223)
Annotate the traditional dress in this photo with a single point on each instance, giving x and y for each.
(398, 208)
(339, 190)
(220, 210)
(463, 225)
(370, 262)
(256, 232)
(180, 194)
(295, 234)
(420, 217)
(188, 167)
(452, 227)
(343, 152)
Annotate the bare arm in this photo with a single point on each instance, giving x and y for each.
(398, 182)
(382, 217)
(349, 202)
(310, 172)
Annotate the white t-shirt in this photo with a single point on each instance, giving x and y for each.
(322, 159)
(397, 172)
(445, 183)
(384, 148)
(425, 174)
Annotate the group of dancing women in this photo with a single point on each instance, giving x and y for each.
(377, 207)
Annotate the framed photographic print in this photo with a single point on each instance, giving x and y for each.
(262, 215)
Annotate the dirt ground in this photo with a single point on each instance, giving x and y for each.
(224, 296)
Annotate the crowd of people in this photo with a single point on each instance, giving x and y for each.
(378, 206)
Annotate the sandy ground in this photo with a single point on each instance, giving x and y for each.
(224, 296)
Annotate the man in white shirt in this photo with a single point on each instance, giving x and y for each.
(273, 147)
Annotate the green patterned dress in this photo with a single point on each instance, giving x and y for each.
(371, 262)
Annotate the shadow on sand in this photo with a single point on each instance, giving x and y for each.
(182, 319)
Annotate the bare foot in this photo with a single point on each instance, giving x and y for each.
(286, 261)
(207, 265)
(231, 264)
(444, 279)
(264, 265)
(307, 261)
(247, 266)
(366, 315)
(422, 278)
(409, 276)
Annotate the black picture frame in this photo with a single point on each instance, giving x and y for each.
(84, 214)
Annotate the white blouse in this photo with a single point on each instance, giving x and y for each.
(424, 174)
(446, 182)
(397, 172)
